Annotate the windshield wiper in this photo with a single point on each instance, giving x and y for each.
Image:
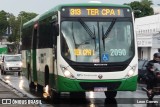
(106, 34)
(91, 34)
(73, 36)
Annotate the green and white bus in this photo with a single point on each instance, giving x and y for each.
(78, 48)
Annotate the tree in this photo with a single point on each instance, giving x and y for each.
(16, 24)
(3, 23)
(147, 2)
(144, 8)
(26, 16)
(148, 10)
(14, 27)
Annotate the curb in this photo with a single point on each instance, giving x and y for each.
(19, 93)
(13, 89)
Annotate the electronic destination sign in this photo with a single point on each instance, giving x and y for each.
(95, 12)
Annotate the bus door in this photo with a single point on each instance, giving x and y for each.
(33, 57)
(55, 33)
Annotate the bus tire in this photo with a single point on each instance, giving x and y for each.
(39, 88)
(77, 95)
(54, 96)
(110, 94)
(32, 87)
(31, 84)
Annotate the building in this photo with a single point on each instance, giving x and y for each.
(148, 35)
(156, 9)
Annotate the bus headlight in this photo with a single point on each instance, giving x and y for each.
(66, 72)
(131, 72)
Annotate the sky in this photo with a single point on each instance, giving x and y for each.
(41, 6)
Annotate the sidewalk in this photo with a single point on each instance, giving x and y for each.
(7, 92)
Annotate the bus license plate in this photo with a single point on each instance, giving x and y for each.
(99, 89)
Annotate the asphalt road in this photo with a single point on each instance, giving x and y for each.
(93, 99)
(10, 95)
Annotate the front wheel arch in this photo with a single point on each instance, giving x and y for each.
(32, 86)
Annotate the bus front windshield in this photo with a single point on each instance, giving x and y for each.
(100, 41)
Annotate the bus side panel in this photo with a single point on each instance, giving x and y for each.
(45, 59)
(34, 66)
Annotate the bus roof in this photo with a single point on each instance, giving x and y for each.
(58, 7)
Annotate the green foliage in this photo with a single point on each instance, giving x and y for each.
(3, 23)
(147, 2)
(13, 23)
(142, 8)
(16, 24)
(26, 16)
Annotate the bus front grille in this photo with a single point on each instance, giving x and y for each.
(89, 86)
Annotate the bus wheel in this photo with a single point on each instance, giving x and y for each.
(54, 96)
(110, 94)
(32, 87)
(50, 94)
(77, 95)
(39, 88)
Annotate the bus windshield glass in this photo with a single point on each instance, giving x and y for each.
(107, 40)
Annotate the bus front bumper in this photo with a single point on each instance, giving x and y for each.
(73, 85)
